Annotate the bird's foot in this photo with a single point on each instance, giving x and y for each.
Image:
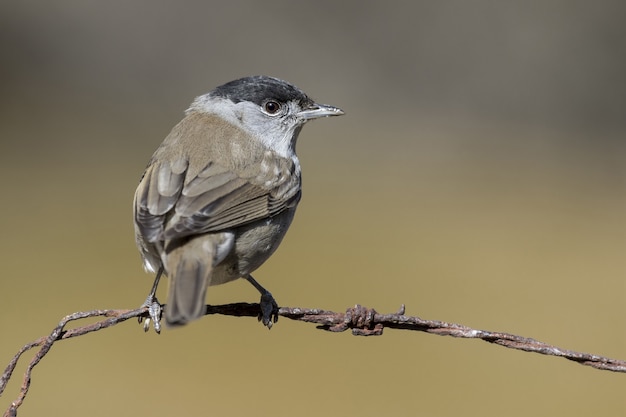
(269, 309)
(155, 312)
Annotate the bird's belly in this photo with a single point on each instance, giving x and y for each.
(254, 244)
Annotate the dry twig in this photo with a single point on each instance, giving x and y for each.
(362, 321)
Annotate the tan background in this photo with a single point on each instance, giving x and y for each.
(478, 176)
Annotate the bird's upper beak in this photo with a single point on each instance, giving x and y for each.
(320, 110)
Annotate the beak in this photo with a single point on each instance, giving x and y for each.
(320, 110)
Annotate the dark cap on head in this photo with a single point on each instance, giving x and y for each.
(260, 88)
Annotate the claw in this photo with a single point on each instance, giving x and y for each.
(269, 310)
(155, 310)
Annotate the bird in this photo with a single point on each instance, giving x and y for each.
(220, 192)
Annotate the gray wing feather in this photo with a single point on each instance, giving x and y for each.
(216, 199)
(156, 195)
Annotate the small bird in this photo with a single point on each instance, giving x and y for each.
(219, 194)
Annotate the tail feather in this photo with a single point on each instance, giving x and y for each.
(189, 268)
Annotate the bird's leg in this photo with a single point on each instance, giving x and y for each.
(269, 307)
(154, 307)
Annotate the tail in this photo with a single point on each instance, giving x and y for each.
(189, 268)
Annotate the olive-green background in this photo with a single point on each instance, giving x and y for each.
(478, 176)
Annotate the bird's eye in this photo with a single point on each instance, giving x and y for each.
(271, 107)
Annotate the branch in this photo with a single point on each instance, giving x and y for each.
(360, 320)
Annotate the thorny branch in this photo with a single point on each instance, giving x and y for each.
(361, 320)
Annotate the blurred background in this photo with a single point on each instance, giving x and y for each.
(478, 176)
